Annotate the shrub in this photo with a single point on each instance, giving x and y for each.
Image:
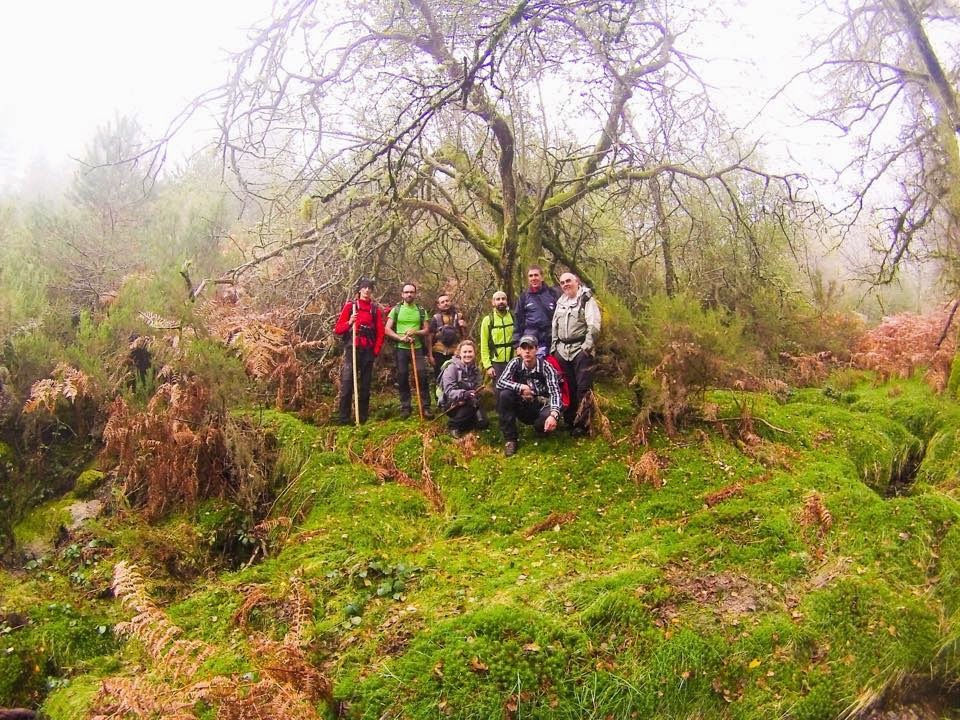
(690, 349)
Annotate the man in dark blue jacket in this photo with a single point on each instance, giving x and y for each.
(534, 311)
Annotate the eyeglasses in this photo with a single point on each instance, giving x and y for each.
(566, 282)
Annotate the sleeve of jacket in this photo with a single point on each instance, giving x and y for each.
(554, 329)
(504, 382)
(343, 322)
(379, 321)
(553, 387)
(485, 361)
(591, 314)
(450, 382)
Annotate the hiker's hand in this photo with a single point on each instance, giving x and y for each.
(491, 372)
(462, 323)
(430, 361)
(526, 392)
(550, 424)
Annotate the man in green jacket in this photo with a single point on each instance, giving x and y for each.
(408, 325)
(496, 333)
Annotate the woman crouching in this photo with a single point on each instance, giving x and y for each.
(459, 383)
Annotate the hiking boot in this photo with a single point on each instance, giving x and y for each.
(457, 433)
(578, 431)
(510, 448)
(404, 413)
(427, 414)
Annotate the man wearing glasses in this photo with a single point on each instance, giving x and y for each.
(407, 325)
(534, 311)
(575, 328)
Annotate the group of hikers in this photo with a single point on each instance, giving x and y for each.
(539, 357)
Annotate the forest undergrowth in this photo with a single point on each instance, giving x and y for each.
(787, 556)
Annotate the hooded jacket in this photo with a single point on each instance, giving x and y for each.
(458, 380)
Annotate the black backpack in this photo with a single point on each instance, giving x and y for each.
(447, 333)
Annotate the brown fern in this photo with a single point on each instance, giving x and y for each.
(469, 446)
(646, 470)
(428, 486)
(171, 454)
(590, 414)
(254, 596)
(380, 458)
(901, 344)
(554, 520)
(815, 515)
(289, 689)
(67, 383)
(161, 638)
(300, 611)
(724, 493)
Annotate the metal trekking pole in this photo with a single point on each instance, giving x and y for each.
(416, 377)
(356, 385)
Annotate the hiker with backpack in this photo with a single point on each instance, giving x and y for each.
(447, 328)
(576, 326)
(360, 326)
(528, 390)
(533, 314)
(460, 380)
(408, 326)
(496, 337)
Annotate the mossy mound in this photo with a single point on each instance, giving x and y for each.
(777, 562)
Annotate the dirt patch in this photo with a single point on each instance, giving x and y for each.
(727, 594)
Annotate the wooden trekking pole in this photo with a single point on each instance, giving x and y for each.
(356, 385)
(416, 377)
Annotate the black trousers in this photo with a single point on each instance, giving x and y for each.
(498, 368)
(405, 382)
(364, 378)
(579, 372)
(511, 407)
(467, 416)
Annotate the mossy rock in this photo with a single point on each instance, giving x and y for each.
(40, 527)
(71, 700)
(87, 483)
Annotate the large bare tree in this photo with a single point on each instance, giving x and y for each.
(891, 69)
(497, 121)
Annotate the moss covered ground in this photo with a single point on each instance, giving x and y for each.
(794, 558)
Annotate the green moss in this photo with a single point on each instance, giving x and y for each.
(644, 601)
(42, 524)
(57, 639)
(473, 665)
(73, 700)
(87, 482)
